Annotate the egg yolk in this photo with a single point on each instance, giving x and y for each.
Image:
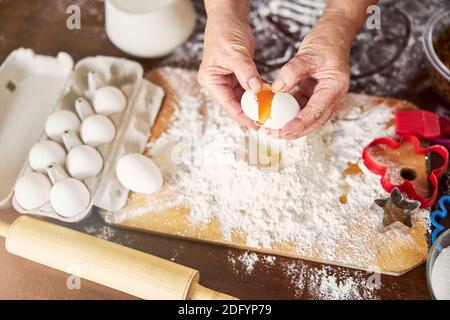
(265, 98)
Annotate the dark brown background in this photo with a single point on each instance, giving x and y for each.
(384, 62)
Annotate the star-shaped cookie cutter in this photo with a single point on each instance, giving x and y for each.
(440, 214)
(397, 210)
(406, 186)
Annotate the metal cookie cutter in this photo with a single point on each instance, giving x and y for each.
(406, 186)
(396, 210)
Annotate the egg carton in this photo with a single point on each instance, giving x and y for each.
(34, 86)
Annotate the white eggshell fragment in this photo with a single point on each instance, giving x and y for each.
(109, 100)
(139, 173)
(284, 109)
(83, 162)
(32, 190)
(97, 130)
(45, 153)
(60, 122)
(249, 104)
(69, 197)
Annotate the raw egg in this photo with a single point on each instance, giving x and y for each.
(44, 153)
(109, 100)
(139, 173)
(83, 162)
(269, 109)
(59, 122)
(32, 190)
(69, 197)
(97, 130)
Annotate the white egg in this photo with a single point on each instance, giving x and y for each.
(97, 130)
(45, 153)
(83, 162)
(109, 100)
(59, 122)
(139, 173)
(284, 109)
(32, 190)
(69, 197)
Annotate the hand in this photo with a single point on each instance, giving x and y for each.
(320, 72)
(227, 68)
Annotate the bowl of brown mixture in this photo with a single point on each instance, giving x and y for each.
(436, 40)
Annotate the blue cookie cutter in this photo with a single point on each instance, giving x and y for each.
(440, 214)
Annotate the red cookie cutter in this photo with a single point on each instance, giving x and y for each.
(406, 186)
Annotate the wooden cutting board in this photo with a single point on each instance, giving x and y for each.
(394, 255)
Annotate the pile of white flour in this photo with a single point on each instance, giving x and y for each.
(205, 165)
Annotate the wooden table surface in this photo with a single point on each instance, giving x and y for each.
(40, 25)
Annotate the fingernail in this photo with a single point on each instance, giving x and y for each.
(278, 85)
(255, 84)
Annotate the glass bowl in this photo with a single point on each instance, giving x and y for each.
(439, 72)
(443, 241)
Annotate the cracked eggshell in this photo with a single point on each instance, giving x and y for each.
(83, 162)
(69, 197)
(97, 130)
(32, 190)
(139, 173)
(284, 108)
(60, 122)
(45, 153)
(109, 100)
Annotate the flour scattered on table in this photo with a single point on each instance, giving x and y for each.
(249, 260)
(330, 283)
(245, 261)
(269, 260)
(324, 283)
(106, 232)
(177, 252)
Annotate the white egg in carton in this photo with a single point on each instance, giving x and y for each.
(63, 129)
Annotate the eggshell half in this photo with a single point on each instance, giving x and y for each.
(249, 104)
(139, 173)
(284, 108)
(45, 153)
(109, 100)
(32, 190)
(69, 197)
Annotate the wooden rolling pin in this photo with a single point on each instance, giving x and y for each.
(109, 264)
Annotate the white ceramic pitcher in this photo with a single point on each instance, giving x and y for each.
(149, 28)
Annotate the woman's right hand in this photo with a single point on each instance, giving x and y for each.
(227, 68)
